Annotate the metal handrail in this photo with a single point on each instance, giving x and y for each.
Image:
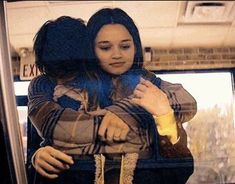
(9, 102)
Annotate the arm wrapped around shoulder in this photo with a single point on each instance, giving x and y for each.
(181, 101)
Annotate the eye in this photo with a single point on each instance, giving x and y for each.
(125, 46)
(104, 48)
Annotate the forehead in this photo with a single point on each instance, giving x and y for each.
(113, 32)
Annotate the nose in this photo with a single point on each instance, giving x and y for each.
(116, 53)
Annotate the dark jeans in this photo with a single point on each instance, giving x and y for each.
(67, 177)
(176, 175)
(152, 176)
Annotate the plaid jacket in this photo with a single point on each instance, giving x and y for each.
(65, 127)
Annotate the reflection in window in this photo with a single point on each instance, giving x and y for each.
(211, 133)
(21, 89)
(22, 113)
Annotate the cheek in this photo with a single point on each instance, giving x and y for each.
(130, 57)
(99, 56)
(103, 60)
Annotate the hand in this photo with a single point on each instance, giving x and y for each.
(59, 91)
(49, 162)
(112, 128)
(99, 112)
(151, 98)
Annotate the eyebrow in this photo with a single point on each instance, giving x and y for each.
(105, 42)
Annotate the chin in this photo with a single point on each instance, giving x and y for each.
(117, 72)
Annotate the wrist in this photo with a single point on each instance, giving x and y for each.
(162, 112)
(165, 120)
(166, 126)
(34, 155)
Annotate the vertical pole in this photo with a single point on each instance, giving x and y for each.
(11, 119)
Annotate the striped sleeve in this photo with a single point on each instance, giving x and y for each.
(132, 115)
(181, 101)
(54, 122)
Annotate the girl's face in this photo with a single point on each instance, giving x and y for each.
(114, 48)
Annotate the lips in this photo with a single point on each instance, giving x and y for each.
(117, 64)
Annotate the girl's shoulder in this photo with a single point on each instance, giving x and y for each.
(151, 76)
(41, 78)
(41, 82)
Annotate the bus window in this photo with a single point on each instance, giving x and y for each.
(21, 92)
(211, 133)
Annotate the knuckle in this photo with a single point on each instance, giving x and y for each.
(138, 86)
(48, 148)
(41, 155)
(164, 95)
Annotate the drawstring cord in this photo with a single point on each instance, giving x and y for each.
(128, 165)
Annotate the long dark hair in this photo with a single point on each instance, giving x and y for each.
(130, 78)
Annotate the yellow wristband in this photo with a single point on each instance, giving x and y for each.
(166, 125)
(166, 120)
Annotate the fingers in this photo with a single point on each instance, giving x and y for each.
(138, 94)
(62, 156)
(117, 134)
(112, 128)
(103, 127)
(141, 87)
(114, 134)
(144, 87)
(48, 167)
(57, 86)
(124, 133)
(145, 82)
(100, 112)
(45, 174)
(110, 133)
(49, 162)
(60, 90)
(56, 162)
(136, 101)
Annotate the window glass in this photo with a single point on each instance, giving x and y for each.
(211, 133)
(21, 89)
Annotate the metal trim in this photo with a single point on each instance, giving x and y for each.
(8, 96)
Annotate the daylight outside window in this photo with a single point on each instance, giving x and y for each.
(211, 133)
